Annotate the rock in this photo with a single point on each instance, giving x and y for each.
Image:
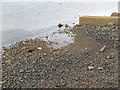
(111, 23)
(109, 56)
(77, 25)
(46, 36)
(39, 48)
(66, 25)
(66, 51)
(60, 25)
(21, 70)
(102, 49)
(2, 82)
(7, 61)
(63, 84)
(44, 54)
(100, 68)
(114, 14)
(90, 67)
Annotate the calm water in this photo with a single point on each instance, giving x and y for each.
(30, 20)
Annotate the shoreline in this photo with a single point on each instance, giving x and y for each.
(80, 64)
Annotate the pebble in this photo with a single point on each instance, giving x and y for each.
(63, 84)
(109, 56)
(102, 49)
(2, 82)
(46, 36)
(60, 25)
(21, 70)
(66, 25)
(44, 54)
(66, 51)
(100, 68)
(90, 67)
(39, 48)
(7, 61)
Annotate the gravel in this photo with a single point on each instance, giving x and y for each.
(25, 66)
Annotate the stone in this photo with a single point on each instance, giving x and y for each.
(7, 61)
(39, 48)
(114, 14)
(90, 67)
(21, 70)
(60, 25)
(44, 54)
(102, 49)
(46, 36)
(109, 56)
(100, 68)
(66, 25)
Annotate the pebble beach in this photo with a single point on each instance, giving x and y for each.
(89, 61)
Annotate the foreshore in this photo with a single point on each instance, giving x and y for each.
(90, 61)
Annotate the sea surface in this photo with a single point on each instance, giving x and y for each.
(22, 20)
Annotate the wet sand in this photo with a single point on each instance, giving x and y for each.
(89, 60)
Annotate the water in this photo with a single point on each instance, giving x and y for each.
(30, 20)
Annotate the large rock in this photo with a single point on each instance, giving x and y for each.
(115, 14)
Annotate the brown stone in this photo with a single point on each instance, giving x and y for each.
(115, 14)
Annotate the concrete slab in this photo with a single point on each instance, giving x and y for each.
(99, 20)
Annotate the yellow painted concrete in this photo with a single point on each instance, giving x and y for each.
(99, 20)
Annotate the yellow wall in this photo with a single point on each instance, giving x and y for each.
(99, 20)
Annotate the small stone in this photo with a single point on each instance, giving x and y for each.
(106, 77)
(111, 23)
(39, 48)
(56, 43)
(91, 67)
(46, 36)
(66, 51)
(21, 70)
(2, 82)
(102, 49)
(100, 68)
(25, 76)
(7, 61)
(60, 25)
(106, 61)
(66, 25)
(63, 84)
(109, 57)
(44, 54)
